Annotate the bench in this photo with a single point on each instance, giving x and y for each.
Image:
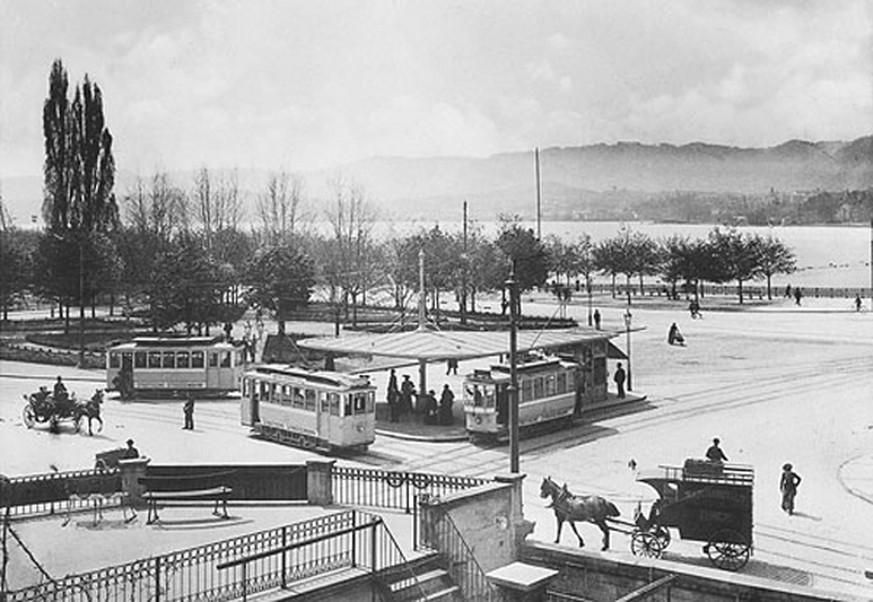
(186, 488)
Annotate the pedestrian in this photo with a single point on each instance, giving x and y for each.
(857, 302)
(429, 408)
(674, 337)
(447, 400)
(619, 377)
(130, 452)
(452, 366)
(788, 291)
(407, 390)
(694, 309)
(788, 484)
(597, 319)
(715, 453)
(393, 396)
(797, 295)
(188, 410)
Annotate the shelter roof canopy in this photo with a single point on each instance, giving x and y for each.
(427, 344)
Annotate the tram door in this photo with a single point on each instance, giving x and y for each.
(249, 407)
(324, 399)
(502, 404)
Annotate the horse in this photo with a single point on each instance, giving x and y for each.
(91, 410)
(572, 508)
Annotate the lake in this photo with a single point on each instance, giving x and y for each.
(827, 256)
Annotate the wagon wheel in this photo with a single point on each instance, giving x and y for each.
(662, 534)
(29, 416)
(727, 550)
(647, 544)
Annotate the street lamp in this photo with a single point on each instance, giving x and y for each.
(512, 390)
(627, 324)
(588, 289)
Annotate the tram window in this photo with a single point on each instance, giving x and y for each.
(324, 402)
(169, 360)
(154, 359)
(347, 405)
(297, 397)
(550, 385)
(196, 359)
(526, 390)
(139, 359)
(371, 402)
(225, 359)
(114, 360)
(538, 389)
(213, 360)
(334, 403)
(265, 395)
(183, 359)
(245, 387)
(360, 400)
(562, 382)
(310, 399)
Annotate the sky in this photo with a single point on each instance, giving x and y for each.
(315, 84)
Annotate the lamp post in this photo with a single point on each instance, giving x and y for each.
(588, 290)
(627, 323)
(512, 390)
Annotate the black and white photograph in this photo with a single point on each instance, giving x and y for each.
(436, 300)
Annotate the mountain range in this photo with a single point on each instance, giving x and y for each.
(435, 187)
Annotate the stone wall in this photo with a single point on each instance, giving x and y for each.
(596, 577)
(488, 517)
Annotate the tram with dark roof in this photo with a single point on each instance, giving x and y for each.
(546, 394)
(319, 409)
(172, 365)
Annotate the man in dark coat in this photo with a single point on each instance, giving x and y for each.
(188, 410)
(714, 453)
(619, 377)
(447, 400)
(407, 390)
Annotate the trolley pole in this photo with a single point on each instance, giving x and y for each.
(513, 373)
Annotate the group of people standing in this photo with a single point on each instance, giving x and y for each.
(400, 401)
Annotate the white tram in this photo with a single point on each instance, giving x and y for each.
(169, 365)
(546, 392)
(308, 408)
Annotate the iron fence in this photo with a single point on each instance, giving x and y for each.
(57, 492)
(285, 554)
(393, 489)
(440, 534)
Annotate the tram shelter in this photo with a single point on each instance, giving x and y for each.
(590, 348)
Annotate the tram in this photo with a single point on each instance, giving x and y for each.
(546, 388)
(161, 365)
(327, 410)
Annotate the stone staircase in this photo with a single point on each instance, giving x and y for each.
(421, 580)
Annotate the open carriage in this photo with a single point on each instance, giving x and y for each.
(43, 408)
(706, 501)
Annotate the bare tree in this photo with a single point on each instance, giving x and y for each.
(352, 218)
(279, 207)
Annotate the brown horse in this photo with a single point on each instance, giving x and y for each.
(572, 508)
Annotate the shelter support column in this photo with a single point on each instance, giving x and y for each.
(422, 377)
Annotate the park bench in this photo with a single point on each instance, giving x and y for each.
(186, 488)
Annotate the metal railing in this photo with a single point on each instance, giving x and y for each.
(57, 492)
(440, 534)
(193, 574)
(389, 489)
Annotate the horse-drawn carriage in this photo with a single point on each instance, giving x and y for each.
(42, 407)
(706, 501)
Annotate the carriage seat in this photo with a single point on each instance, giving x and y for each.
(187, 488)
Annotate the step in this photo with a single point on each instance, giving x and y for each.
(436, 581)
